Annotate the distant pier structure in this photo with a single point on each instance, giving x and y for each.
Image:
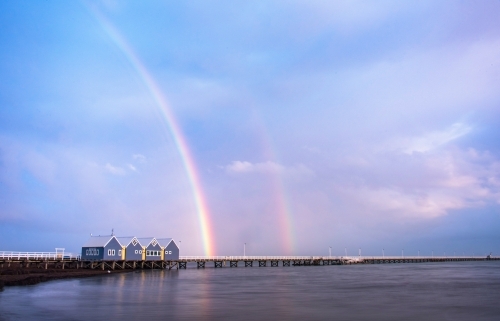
(123, 253)
(286, 261)
(43, 260)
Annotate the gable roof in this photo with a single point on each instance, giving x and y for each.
(125, 240)
(99, 241)
(164, 242)
(145, 241)
(102, 241)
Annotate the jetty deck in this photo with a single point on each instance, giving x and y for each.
(45, 260)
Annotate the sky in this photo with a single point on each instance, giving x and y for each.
(293, 127)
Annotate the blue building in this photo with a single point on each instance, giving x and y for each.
(129, 248)
(153, 250)
(170, 250)
(99, 248)
(132, 248)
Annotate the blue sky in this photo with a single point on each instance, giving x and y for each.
(374, 124)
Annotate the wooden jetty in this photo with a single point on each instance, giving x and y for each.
(45, 260)
(286, 261)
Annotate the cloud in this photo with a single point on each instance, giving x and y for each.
(139, 158)
(119, 171)
(420, 185)
(433, 140)
(247, 167)
(242, 167)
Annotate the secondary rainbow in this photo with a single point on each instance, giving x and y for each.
(280, 197)
(173, 127)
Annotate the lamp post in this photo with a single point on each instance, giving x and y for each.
(383, 254)
(359, 254)
(330, 252)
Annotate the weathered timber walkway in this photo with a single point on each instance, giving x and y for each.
(75, 262)
(285, 261)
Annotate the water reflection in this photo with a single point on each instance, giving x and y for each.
(458, 291)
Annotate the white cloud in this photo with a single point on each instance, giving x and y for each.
(297, 171)
(247, 167)
(423, 186)
(436, 139)
(132, 167)
(114, 169)
(139, 158)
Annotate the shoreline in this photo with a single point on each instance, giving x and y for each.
(16, 276)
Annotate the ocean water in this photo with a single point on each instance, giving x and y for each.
(421, 291)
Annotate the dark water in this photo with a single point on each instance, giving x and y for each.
(434, 291)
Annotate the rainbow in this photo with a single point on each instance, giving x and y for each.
(174, 128)
(282, 204)
(280, 195)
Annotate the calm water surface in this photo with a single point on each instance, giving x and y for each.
(434, 291)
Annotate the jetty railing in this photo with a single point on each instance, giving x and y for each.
(38, 255)
(257, 258)
(326, 257)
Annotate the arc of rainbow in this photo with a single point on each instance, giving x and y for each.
(285, 212)
(176, 132)
(281, 201)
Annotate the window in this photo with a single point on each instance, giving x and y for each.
(147, 253)
(109, 252)
(134, 242)
(120, 252)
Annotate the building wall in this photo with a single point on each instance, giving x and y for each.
(112, 251)
(156, 250)
(171, 252)
(134, 253)
(92, 253)
(115, 252)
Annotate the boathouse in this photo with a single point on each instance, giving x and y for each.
(132, 248)
(153, 251)
(102, 248)
(170, 250)
(145, 243)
